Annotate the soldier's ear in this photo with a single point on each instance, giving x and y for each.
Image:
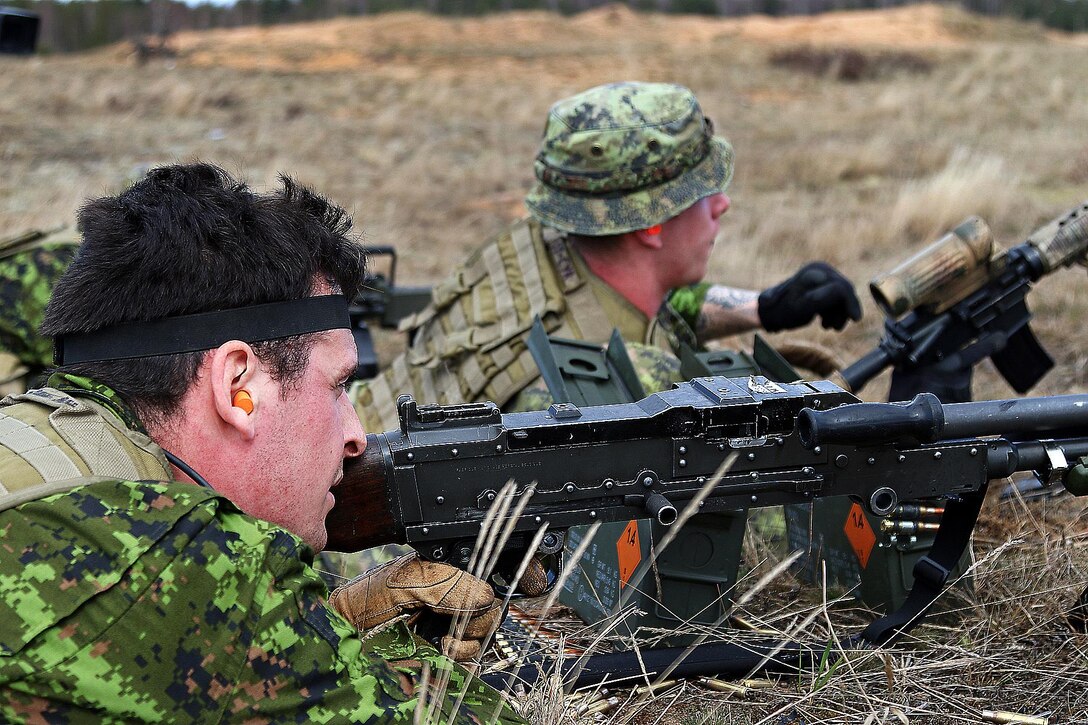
(649, 237)
(236, 387)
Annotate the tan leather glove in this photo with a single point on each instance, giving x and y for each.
(409, 585)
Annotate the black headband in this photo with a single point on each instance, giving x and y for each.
(204, 331)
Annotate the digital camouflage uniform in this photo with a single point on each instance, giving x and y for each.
(30, 264)
(660, 156)
(160, 601)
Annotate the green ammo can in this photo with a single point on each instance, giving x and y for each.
(689, 585)
(871, 557)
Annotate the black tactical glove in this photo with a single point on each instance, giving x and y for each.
(817, 289)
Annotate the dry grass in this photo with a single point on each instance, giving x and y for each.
(1010, 647)
(425, 128)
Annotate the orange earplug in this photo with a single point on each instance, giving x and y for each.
(243, 400)
(654, 230)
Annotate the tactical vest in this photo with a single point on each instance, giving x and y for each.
(52, 442)
(469, 344)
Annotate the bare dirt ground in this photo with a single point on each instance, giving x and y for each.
(426, 128)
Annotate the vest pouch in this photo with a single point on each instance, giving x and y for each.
(463, 342)
(449, 291)
(552, 322)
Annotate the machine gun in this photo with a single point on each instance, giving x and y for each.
(381, 300)
(431, 483)
(962, 299)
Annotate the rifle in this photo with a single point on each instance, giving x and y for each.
(430, 483)
(962, 299)
(380, 300)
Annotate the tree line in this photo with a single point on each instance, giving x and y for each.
(76, 25)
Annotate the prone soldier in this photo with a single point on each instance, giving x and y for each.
(164, 494)
(623, 217)
(630, 189)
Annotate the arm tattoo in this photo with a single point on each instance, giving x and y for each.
(730, 297)
(726, 311)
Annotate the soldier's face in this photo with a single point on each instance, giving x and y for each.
(303, 440)
(688, 238)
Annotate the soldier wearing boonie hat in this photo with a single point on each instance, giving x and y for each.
(626, 156)
(630, 186)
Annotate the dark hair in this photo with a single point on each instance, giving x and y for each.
(189, 239)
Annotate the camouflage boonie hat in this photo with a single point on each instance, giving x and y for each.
(626, 156)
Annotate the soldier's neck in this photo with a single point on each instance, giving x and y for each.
(629, 272)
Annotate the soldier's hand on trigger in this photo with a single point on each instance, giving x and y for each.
(409, 585)
(816, 289)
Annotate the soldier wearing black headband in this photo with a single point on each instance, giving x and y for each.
(201, 337)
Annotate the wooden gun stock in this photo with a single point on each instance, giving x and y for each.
(363, 514)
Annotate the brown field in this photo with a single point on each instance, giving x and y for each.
(425, 128)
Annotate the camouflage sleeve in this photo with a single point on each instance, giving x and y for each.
(26, 283)
(322, 671)
(657, 370)
(688, 302)
(164, 603)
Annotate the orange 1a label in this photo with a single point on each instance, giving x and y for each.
(860, 533)
(628, 552)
